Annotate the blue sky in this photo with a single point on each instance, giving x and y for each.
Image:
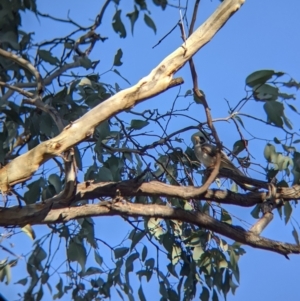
(262, 35)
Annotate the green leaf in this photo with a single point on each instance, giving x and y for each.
(197, 252)
(296, 236)
(92, 271)
(29, 231)
(22, 281)
(282, 183)
(255, 212)
(98, 258)
(188, 92)
(233, 286)
(287, 122)
(150, 263)
(46, 56)
(225, 217)
(129, 261)
(204, 294)
(274, 110)
(68, 45)
(239, 119)
(59, 287)
(161, 3)
(265, 92)
(259, 77)
(223, 264)
(176, 254)
(55, 181)
(162, 290)
(118, 25)
(76, 252)
(10, 37)
(144, 253)
(269, 151)
(276, 140)
(138, 235)
(142, 4)
(149, 22)
(138, 124)
(40, 294)
(287, 211)
(102, 131)
(239, 146)
(120, 252)
(33, 194)
(5, 272)
(215, 296)
(45, 277)
(141, 294)
(47, 125)
(90, 173)
(86, 62)
(88, 232)
(118, 56)
(293, 108)
(133, 17)
(104, 175)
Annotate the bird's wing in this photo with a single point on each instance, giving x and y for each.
(226, 163)
(209, 149)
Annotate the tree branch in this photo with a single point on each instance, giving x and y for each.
(131, 188)
(26, 65)
(159, 211)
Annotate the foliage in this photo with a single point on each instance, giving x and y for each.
(131, 145)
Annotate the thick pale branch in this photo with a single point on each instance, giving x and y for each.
(262, 223)
(22, 168)
(160, 211)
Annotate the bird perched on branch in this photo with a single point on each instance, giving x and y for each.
(206, 153)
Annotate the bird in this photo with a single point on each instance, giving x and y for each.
(206, 153)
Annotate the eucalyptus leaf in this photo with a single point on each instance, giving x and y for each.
(274, 110)
(118, 56)
(118, 25)
(47, 56)
(259, 77)
(133, 17)
(137, 124)
(77, 252)
(150, 22)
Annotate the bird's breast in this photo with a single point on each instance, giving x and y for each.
(207, 160)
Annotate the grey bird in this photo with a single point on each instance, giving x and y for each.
(206, 153)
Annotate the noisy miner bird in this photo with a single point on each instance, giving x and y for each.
(206, 153)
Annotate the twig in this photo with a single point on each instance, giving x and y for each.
(27, 65)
